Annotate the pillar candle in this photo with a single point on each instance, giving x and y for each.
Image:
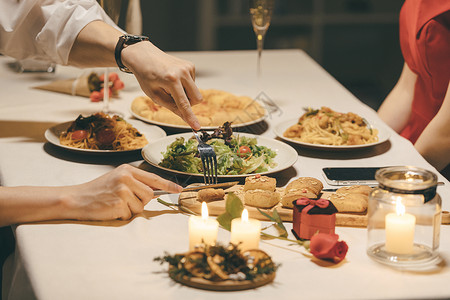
(400, 231)
(245, 231)
(202, 229)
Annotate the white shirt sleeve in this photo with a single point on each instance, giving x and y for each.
(45, 29)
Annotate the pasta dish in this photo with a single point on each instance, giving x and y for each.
(327, 127)
(102, 132)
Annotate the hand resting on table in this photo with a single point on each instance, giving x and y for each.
(118, 194)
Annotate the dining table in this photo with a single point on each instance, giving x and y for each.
(70, 259)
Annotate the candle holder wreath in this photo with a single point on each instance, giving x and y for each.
(216, 267)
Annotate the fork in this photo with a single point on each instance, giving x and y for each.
(209, 160)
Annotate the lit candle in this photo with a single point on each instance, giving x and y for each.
(202, 229)
(245, 231)
(400, 230)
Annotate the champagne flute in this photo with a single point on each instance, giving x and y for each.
(261, 14)
(112, 9)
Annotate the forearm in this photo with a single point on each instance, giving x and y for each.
(396, 108)
(45, 30)
(435, 149)
(29, 204)
(434, 141)
(94, 46)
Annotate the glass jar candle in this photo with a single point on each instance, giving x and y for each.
(404, 217)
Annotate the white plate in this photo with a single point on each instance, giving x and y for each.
(187, 127)
(150, 132)
(383, 136)
(285, 158)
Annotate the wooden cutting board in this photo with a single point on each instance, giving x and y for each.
(215, 208)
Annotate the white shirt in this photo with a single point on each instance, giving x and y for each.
(45, 29)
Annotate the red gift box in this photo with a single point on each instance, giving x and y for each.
(312, 216)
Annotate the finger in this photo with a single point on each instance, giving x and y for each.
(178, 94)
(156, 182)
(162, 98)
(123, 212)
(192, 91)
(166, 100)
(142, 191)
(192, 72)
(134, 204)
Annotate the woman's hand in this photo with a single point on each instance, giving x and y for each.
(118, 194)
(167, 80)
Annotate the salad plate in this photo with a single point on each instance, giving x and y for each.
(150, 132)
(285, 157)
(383, 136)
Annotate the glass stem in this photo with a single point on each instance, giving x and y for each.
(259, 45)
(106, 92)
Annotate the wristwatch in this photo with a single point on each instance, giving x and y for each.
(124, 41)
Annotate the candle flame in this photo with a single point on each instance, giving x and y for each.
(399, 207)
(204, 211)
(244, 215)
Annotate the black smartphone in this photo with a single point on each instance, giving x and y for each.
(350, 175)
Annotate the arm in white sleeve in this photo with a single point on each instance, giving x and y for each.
(45, 29)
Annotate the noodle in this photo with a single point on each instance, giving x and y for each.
(327, 127)
(103, 132)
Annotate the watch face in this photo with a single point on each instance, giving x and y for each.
(132, 39)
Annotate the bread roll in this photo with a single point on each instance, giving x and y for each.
(305, 185)
(308, 187)
(346, 202)
(351, 198)
(261, 198)
(294, 194)
(258, 182)
(355, 189)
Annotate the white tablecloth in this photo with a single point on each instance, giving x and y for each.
(114, 260)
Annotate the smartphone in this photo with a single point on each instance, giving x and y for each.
(350, 175)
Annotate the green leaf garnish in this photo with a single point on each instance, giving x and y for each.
(233, 205)
(233, 209)
(278, 222)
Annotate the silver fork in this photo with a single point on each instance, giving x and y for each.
(209, 160)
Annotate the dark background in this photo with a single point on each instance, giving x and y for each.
(354, 40)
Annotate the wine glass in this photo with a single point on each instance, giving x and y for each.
(261, 13)
(112, 9)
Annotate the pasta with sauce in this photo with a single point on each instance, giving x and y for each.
(327, 127)
(102, 132)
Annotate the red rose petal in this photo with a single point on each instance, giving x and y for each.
(326, 246)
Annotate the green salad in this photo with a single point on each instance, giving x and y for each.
(235, 154)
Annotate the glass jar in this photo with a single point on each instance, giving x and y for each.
(404, 217)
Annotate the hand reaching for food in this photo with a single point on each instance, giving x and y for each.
(168, 80)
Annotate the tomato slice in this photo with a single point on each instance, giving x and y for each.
(244, 151)
(79, 135)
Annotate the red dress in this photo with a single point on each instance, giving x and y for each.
(425, 44)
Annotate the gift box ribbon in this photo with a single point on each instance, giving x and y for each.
(320, 206)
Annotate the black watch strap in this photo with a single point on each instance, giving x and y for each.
(123, 42)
